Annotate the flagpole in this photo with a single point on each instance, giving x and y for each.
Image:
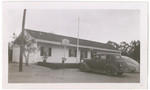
(78, 41)
(22, 41)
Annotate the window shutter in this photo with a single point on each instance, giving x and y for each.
(42, 50)
(50, 50)
(69, 52)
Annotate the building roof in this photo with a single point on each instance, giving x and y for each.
(72, 40)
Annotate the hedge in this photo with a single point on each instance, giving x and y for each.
(58, 65)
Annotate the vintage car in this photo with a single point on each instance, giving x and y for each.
(110, 64)
(133, 65)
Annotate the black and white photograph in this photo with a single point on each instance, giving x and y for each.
(72, 45)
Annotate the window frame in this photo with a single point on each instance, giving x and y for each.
(74, 52)
(41, 51)
(84, 52)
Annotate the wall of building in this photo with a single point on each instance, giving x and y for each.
(16, 53)
(57, 53)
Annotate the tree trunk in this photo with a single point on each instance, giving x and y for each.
(27, 62)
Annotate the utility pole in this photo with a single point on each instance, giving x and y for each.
(22, 41)
(78, 41)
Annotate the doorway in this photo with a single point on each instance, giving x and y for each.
(83, 54)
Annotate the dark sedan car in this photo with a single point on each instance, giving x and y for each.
(106, 63)
(133, 65)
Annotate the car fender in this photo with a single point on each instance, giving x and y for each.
(112, 66)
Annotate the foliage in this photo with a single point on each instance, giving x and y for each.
(58, 65)
(131, 49)
(30, 47)
(115, 45)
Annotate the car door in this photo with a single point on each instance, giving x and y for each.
(93, 62)
(103, 61)
(97, 63)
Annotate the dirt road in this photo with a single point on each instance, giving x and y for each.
(38, 74)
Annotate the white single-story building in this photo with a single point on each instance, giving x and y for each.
(52, 45)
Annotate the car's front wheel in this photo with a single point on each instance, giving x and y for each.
(109, 71)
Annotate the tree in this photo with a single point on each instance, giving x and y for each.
(115, 45)
(125, 48)
(135, 52)
(131, 49)
(30, 47)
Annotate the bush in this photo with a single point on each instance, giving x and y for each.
(58, 65)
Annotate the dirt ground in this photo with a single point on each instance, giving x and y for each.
(38, 74)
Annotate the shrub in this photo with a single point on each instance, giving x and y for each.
(58, 65)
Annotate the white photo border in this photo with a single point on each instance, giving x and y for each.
(142, 6)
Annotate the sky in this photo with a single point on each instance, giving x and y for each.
(99, 25)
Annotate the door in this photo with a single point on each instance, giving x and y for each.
(104, 60)
(96, 61)
(83, 54)
(99, 62)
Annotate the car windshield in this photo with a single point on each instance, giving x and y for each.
(96, 56)
(117, 56)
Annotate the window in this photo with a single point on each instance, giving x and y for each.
(83, 54)
(103, 57)
(93, 53)
(72, 52)
(117, 56)
(49, 51)
(96, 56)
(42, 51)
